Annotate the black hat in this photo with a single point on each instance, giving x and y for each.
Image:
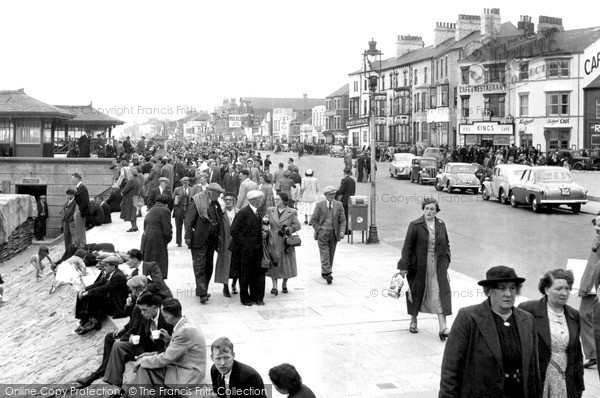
(500, 273)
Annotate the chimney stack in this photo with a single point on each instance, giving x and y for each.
(549, 24)
(406, 44)
(443, 31)
(490, 22)
(466, 25)
(525, 25)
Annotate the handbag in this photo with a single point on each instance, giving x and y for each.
(293, 240)
(396, 285)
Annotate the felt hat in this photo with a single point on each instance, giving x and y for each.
(500, 273)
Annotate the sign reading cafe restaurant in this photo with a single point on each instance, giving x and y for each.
(486, 128)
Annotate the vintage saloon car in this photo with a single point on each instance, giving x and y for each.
(503, 178)
(458, 176)
(400, 166)
(423, 170)
(548, 186)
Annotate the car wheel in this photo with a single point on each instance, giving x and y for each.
(535, 205)
(501, 198)
(578, 166)
(576, 208)
(484, 194)
(449, 187)
(438, 187)
(475, 191)
(420, 180)
(513, 200)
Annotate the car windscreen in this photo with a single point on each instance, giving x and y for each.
(403, 159)
(556, 176)
(463, 169)
(428, 163)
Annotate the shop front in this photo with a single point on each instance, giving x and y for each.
(487, 134)
(557, 133)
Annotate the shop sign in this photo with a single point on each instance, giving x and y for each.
(482, 88)
(31, 180)
(358, 122)
(557, 122)
(525, 122)
(486, 128)
(594, 128)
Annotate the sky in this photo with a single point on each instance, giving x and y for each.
(143, 59)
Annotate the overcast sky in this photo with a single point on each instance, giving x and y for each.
(137, 55)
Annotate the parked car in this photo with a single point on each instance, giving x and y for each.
(401, 165)
(503, 178)
(434, 153)
(458, 176)
(336, 151)
(423, 170)
(576, 159)
(548, 186)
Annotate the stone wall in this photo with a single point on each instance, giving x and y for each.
(55, 173)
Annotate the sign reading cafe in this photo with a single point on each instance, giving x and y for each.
(486, 128)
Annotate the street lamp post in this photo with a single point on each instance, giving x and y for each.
(371, 61)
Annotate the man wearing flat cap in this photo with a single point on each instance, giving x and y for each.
(491, 350)
(162, 189)
(181, 200)
(329, 223)
(106, 296)
(247, 250)
(202, 226)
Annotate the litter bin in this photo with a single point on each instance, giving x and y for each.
(358, 216)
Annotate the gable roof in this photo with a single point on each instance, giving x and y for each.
(594, 83)
(344, 90)
(203, 117)
(86, 114)
(15, 103)
(271, 103)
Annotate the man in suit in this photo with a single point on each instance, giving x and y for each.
(214, 173)
(84, 145)
(202, 227)
(180, 170)
(162, 189)
(156, 283)
(278, 174)
(42, 218)
(246, 250)
(246, 185)
(106, 296)
(154, 175)
(227, 374)
(231, 181)
(181, 200)
(588, 295)
(347, 189)
(168, 171)
(67, 220)
(224, 169)
(184, 360)
(201, 183)
(140, 146)
(329, 223)
(82, 209)
(252, 170)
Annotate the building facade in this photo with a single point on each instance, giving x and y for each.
(336, 116)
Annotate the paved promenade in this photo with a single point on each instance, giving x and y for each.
(346, 339)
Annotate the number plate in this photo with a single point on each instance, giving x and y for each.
(565, 191)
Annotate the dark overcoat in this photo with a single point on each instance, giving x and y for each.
(574, 372)
(130, 192)
(158, 232)
(246, 243)
(223, 266)
(472, 361)
(414, 260)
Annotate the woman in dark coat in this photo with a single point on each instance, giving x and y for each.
(558, 328)
(130, 198)
(158, 232)
(425, 261)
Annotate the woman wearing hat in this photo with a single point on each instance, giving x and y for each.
(286, 184)
(158, 232)
(558, 327)
(492, 350)
(308, 189)
(425, 261)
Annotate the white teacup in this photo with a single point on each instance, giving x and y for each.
(135, 339)
(155, 334)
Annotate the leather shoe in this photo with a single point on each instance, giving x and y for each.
(259, 302)
(87, 381)
(203, 300)
(590, 363)
(248, 304)
(233, 289)
(226, 291)
(329, 279)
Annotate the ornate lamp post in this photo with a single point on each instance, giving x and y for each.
(371, 68)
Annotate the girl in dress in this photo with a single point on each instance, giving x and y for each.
(70, 271)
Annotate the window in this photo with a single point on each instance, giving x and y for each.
(424, 130)
(597, 108)
(446, 68)
(495, 104)
(557, 104)
(557, 69)
(391, 80)
(524, 70)
(523, 104)
(338, 122)
(406, 105)
(416, 78)
(464, 75)
(495, 74)
(416, 103)
(444, 90)
(365, 89)
(557, 138)
(425, 76)
(337, 103)
(423, 102)
(355, 86)
(328, 105)
(6, 132)
(405, 73)
(47, 138)
(354, 110)
(464, 106)
(365, 109)
(382, 82)
(433, 97)
(29, 131)
(437, 69)
(455, 97)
